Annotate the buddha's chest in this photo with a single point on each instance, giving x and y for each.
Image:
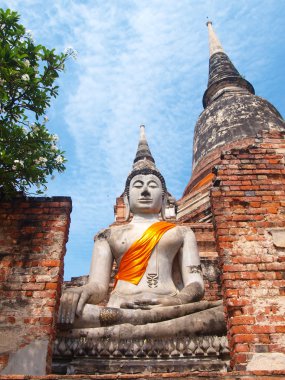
(167, 246)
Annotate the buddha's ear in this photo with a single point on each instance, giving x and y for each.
(127, 204)
(163, 207)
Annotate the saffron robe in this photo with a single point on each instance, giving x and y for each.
(134, 262)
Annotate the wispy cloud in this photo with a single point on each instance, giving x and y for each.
(140, 62)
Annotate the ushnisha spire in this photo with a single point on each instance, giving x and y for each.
(144, 162)
(222, 73)
(143, 157)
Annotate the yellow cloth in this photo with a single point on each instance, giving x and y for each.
(134, 262)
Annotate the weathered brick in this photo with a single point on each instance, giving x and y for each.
(29, 273)
(33, 286)
(31, 321)
(253, 269)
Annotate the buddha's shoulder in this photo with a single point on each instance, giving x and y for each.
(103, 234)
(183, 231)
(112, 232)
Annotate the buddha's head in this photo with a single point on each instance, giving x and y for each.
(145, 192)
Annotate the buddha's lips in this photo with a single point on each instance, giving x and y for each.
(145, 200)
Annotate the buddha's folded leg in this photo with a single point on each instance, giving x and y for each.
(96, 316)
(206, 322)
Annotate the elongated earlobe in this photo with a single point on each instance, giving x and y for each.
(127, 204)
(163, 207)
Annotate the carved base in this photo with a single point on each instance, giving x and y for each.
(87, 356)
(97, 366)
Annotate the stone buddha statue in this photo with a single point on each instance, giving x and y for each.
(159, 283)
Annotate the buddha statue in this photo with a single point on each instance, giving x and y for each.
(159, 284)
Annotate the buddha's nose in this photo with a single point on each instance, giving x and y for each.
(145, 193)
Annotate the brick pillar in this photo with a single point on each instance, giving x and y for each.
(120, 210)
(33, 235)
(248, 205)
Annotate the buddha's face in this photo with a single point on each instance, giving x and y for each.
(145, 194)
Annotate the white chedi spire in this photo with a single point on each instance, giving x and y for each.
(142, 132)
(214, 44)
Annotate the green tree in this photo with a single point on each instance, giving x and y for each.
(28, 152)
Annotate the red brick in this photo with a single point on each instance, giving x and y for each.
(251, 338)
(11, 320)
(45, 263)
(51, 285)
(241, 347)
(275, 266)
(6, 263)
(280, 329)
(241, 329)
(240, 358)
(233, 268)
(231, 293)
(263, 329)
(4, 358)
(237, 302)
(242, 320)
(46, 320)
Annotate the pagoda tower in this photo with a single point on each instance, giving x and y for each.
(233, 115)
(235, 200)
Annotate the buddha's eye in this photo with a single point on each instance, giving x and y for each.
(153, 184)
(138, 184)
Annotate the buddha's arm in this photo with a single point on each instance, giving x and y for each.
(100, 271)
(190, 269)
(73, 300)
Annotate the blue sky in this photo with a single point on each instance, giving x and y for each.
(141, 62)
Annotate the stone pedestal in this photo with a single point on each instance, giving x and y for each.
(89, 356)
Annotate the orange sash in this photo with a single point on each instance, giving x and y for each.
(134, 262)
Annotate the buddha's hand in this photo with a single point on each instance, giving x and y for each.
(147, 304)
(73, 301)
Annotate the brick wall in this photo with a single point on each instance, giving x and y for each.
(33, 235)
(248, 206)
(209, 259)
